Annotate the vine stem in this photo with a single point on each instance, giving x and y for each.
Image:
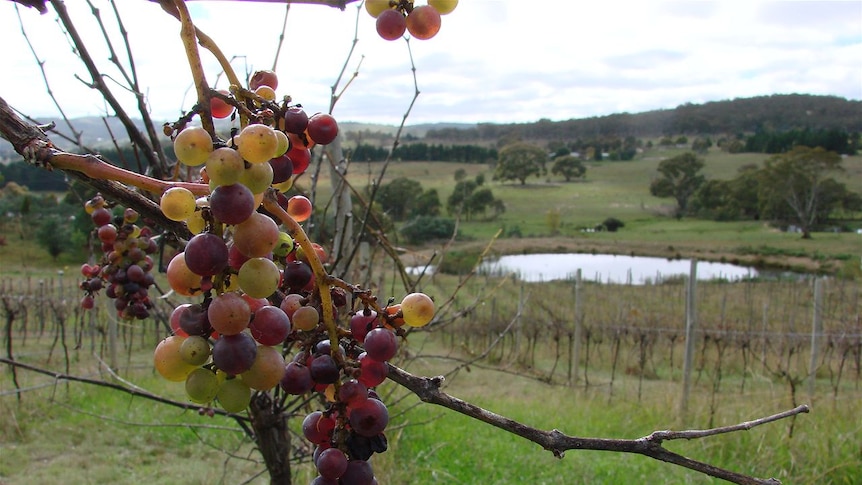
(188, 36)
(321, 277)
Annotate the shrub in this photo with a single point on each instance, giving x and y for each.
(425, 228)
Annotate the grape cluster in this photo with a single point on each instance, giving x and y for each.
(125, 269)
(396, 17)
(256, 299)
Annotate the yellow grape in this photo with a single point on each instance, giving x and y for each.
(443, 6)
(267, 370)
(195, 350)
(259, 277)
(257, 177)
(202, 385)
(180, 277)
(224, 167)
(168, 361)
(193, 145)
(417, 309)
(375, 7)
(257, 143)
(265, 92)
(177, 203)
(196, 223)
(234, 395)
(283, 143)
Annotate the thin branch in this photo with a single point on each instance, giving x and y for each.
(134, 391)
(428, 390)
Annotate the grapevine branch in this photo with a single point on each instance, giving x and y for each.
(428, 390)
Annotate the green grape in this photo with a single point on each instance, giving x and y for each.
(224, 166)
(305, 318)
(202, 385)
(193, 145)
(375, 7)
(177, 203)
(259, 277)
(283, 143)
(234, 395)
(257, 177)
(267, 370)
(196, 223)
(443, 6)
(257, 143)
(283, 246)
(195, 350)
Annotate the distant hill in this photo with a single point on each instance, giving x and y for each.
(778, 112)
(741, 115)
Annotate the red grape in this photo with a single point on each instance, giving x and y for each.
(232, 204)
(423, 22)
(369, 418)
(263, 78)
(234, 354)
(322, 128)
(391, 24)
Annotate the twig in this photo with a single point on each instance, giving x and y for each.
(428, 390)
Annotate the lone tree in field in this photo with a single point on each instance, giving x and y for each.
(519, 161)
(679, 177)
(569, 166)
(796, 187)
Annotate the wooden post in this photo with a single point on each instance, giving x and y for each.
(576, 334)
(816, 330)
(690, 324)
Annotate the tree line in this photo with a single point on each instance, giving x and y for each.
(420, 151)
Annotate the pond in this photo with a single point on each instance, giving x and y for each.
(609, 268)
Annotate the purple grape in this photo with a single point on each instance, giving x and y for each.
(206, 254)
(369, 418)
(381, 344)
(232, 204)
(234, 354)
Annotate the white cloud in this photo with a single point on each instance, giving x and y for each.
(493, 60)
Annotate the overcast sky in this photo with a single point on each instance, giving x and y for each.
(495, 61)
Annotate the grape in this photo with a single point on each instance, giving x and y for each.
(300, 157)
(423, 22)
(206, 254)
(107, 233)
(255, 303)
(282, 168)
(318, 480)
(391, 24)
(376, 7)
(371, 372)
(295, 120)
(257, 177)
(323, 369)
(297, 379)
(257, 236)
(101, 216)
(196, 223)
(283, 246)
(218, 107)
(181, 279)
(259, 277)
(193, 320)
(202, 385)
(193, 145)
(369, 418)
(234, 354)
(358, 473)
(267, 370)
(257, 143)
(315, 427)
(229, 313)
(270, 325)
(381, 344)
(263, 78)
(232, 204)
(291, 303)
(417, 309)
(322, 128)
(224, 166)
(175, 319)
(283, 143)
(234, 395)
(352, 392)
(168, 362)
(443, 6)
(362, 322)
(305, 318)
(195, 350)
(265, 92)
(297, 274)
(235, 258)
(332, 463)
(88, 302)
(299, 208)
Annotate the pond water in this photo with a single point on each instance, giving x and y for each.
(609, 268)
